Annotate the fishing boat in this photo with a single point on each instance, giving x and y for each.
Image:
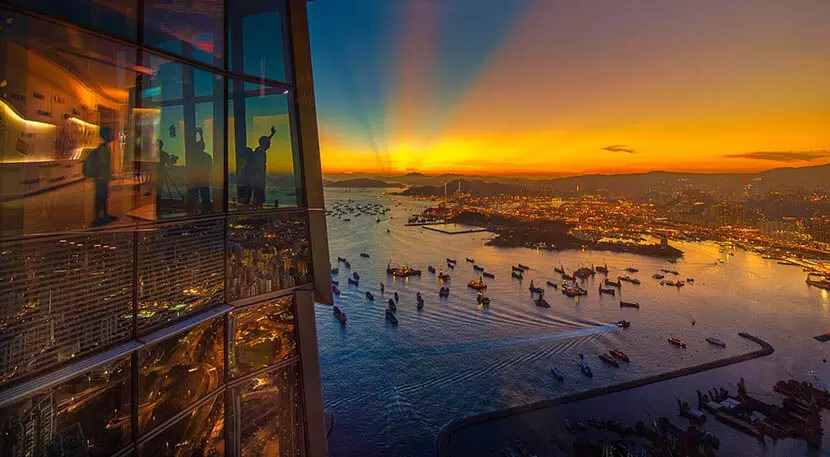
(431, 269)
(477, 284)
(552, 284)
(584, 368)
(470, 260)
(369, 296)
(443, 276)
(631, 270)
(623, 324)
(535, 290)
(355, 275)
(611, 283)
(478, 268)
(619, 354)
(541, 302)
(524, 267)
(364, 255)
(557, 374)
(658, 276)
(716, 341)
(449, 260)
(391, 317)
(392, 305)
(335, 270)
(341, 259)
(335, 289)
(516, 274)
(628, 304)
(677, 341)
(489, 275)
(573, 291)
(340, 315)
(347, 264)
(396, 297)
(609, 360)
(602, 269)
(610, 292)
(444, 292)
(354, 281)
(482, 299)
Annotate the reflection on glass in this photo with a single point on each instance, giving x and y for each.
(62, 298)
(65, 160)
(116, 17)
(267, 414)
(255, 34)
(189, 28)
(200, 433)
(262, 335)
(87, 415)
(180, 270)
(181, 130)
(266, 254)
(261, 162)
(178, 371)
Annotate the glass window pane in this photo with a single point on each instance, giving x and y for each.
(62, 299)
(178, 371)
(200, 433)
(88, 415)
(262, 335)
(267, 414)
(65, 102)
(189, 28)
(257, 38)
(181, 128)
(180, 271)
(261, 163)
(116, 17)
(267, 253)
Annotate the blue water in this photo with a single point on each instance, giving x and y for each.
(392, 389)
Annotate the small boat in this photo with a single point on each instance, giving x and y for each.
(470, 260)
(355, 275)
(334, 271)
(477, 284)
(396, 297)
(557, 374)
(392, 305)
(552, 284)
(478, 268)
(444, 292)
(335, 289)
(628, 279)
(419, 299)
(716, 341)
(559, 269)
(443, 277)
(535, 290)
(611, 283)
(347, 264)
(690, 280)
(431, 269)
(341, 259)
(354, 281)
(489, 275)
(524, 267)
(610, 292)
(628, 304)
(658, 276)
(619, 354)
(677, 341)
(623, 324)
(451, 266)
(519, 269)
(449, 260)
(609, 360)
(482, 299)
(631, 270)
(369, 296)
(568, 277)
(364, 255)
(340, 315)
(602, 269)
(585, 369)
(391, 317)
(516, 275)
(584, 273)
(541, 302)
(573, 291)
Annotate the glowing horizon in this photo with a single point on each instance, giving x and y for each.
(528, 88)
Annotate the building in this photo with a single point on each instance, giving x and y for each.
(162, 232)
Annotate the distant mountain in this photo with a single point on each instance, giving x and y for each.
(477, 188)
(361, 183)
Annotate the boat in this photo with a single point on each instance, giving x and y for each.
(443, 276)
(431, 269)
(690, 280)
(602, 269)
(584, 272)
(518, 269)
(382, 287)
(716, 341)
(516, 274)
(611, 283)
(609, 360)
(524, 267)
(552, 284)
(419, 299)
(396, 297)
(619, 354)
(335, 289)
(568, 277)
(628, 279)
(557, 374)
(369, 296)
(449, 260)
(631, 270)
(364, 255)
(334, 271)
(341, 259)
(451, 265)
(470, 260)
(404, 272)
(573, 291)
(392, 305)
(347, 264)
(444, 292)
(559, 269)
(477, 284)
(611, 292)
(391, 317)
(628, 304)
(489, 275)
(585, 369)
(355, 275)
(340, 315)
(819, 283)
(354, 281)
(657, 276)
(623, 324)
(541, 302)
(482, 299)
(535, 290)
(478, 268)
(677, 341)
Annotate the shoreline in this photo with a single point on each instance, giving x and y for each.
(442, 443)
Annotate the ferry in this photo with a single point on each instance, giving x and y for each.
(443, 276)
(489, 275)
(609, 360)
(628, 304)
(470, 260)
(391, 317)
(340, 315)
(451, 265)
(516, 274)
(482, 299)
(541, 302)
(341, 259)
(552, 284)
(478, 268)
(557, 374)
(477, 284)
(533, 289)
(335, 289)
(449, 260)
(585, 369)
(364, 255)
(354, 281)
(623, 324)
(396, 297)
(631, 270)
(347, 264)
(444, 292)
(431, 269)
(657, 276)
(677, 341)
(611, 283)
(335, 270)
(392, 305)
(716, 341)
(602, 269)
(610, 292)
(524, 267)
(619, 354)
(355, 275)
(369, 296)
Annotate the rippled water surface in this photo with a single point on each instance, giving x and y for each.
(391, 389)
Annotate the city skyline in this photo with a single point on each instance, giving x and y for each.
(424, 87)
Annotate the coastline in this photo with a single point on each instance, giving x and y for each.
(442, 443)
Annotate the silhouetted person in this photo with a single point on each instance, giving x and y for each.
(97, 165)
(199, 169)
(255, 169)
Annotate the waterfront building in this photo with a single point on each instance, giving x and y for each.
(162, 232)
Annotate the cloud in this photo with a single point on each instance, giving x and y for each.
(619, 148)
(781, 156)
